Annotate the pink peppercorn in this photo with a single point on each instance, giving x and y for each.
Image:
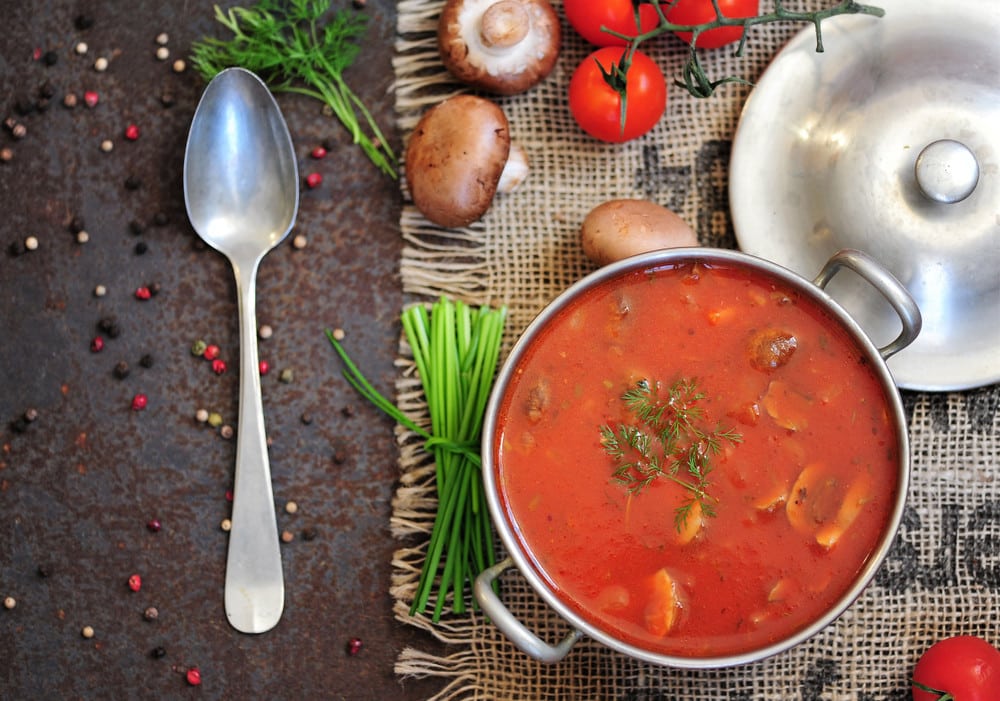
(139, 402)
(154, 525)
(131, 132)
(218, 366)
(97, 344)
(318, 152)
(143, 293)
(314, 180)
(265, 367)
(353, 646)
(135, 582)
(90, 98)
(211, 352)
(193, 676)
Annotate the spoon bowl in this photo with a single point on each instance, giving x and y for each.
(241, 190)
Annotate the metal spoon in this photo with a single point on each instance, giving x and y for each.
(241, 189)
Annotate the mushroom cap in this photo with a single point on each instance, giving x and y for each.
(501, 46)
(455, 157)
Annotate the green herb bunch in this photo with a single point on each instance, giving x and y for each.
(455, 348)
(284, 43)
(668, 439)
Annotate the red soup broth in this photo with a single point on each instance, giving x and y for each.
(800, 501)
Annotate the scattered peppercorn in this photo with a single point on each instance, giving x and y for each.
(314, 180)
(76, 225)
(146, 360)
(151, 614)
(215, 419)
(199, 347)
(19, 131)
(16, 248)
(167, 99)
(219, 366)
(287, 536)
(141, 248)
(82, 237)
(9, 602)
(81, 47)
(264, 367)
(211, 352)
(265, 331)
(131, 132)
(30, 415)
(226, 431)
(160, 219)
(139, 402)
(44, 571)
(107, 145)
(287, 375)
(101, 64)
(162, 38)
(291, 507)
(162, 53)
(179, 66)
(309, 533)
(90, 98)
(109, 325)
(50, 58)
(19, 425)
(96, 344)
(306, 418)
(154, 525)
(132, 182)
(136, 227)
(300, 241)
(6, 154)
(339, 334)
(100, 291)
(31, 243)
(121, 370)
(142, 293)
(354, 646)
(135, 582)
(226, 525)
(201, 416)
(69, 100)
(83, 22)
(158, 653)
(193, 676)
(347, 411)
(87, 632)
(318, 152)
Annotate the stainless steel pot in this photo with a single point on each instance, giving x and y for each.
(860, 263)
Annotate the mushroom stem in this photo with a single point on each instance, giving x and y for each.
(504, 24)
(515, 170)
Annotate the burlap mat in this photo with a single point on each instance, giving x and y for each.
(943, 577)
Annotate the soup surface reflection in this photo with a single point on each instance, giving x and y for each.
(696, 459)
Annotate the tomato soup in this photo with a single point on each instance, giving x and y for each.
(697, 459)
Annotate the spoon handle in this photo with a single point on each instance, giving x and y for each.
(254, 590)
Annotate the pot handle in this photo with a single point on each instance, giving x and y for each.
(526, 641)
(886, 284)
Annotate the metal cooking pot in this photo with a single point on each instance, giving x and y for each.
(909, 315)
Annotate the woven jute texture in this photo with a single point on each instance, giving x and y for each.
(942, 577)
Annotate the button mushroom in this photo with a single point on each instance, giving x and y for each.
(458, 157)
(501, 46)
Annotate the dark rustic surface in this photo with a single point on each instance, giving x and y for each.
(79, 484)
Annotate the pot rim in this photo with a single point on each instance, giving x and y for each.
(662, 258)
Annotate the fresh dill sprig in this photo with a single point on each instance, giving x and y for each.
(667, 439)
(284, 43)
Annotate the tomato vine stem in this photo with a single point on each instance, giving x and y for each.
(694, 78)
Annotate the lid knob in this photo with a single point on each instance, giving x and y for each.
(947, 171)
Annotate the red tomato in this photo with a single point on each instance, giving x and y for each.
(596, 106)
(692, 12)
(588, 16)
(966, 667)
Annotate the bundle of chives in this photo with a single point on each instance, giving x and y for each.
(455, 348)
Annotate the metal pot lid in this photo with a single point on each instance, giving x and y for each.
(888, 142)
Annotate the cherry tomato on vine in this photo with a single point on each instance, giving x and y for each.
(588, 16)
(596, 105)
(692, 12)
(963, 668)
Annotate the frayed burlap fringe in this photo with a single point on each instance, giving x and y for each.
(943, 577)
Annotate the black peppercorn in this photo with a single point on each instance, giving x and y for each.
(160, 219)
(141, 248)
(136, 227)
(76, 225)
(19, 425)
(146, 360)
(47, 90)
(121, 370)
(50, 58)
(83, 22)
(309, 533)
(44, 571)
(167, 99)
(109, 325)
(16, 248)
(132, 182)
(158, 652)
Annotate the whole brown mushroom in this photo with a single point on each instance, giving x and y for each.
(458, 157)
(501, 46)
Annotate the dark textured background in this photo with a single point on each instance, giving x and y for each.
(79, 484)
